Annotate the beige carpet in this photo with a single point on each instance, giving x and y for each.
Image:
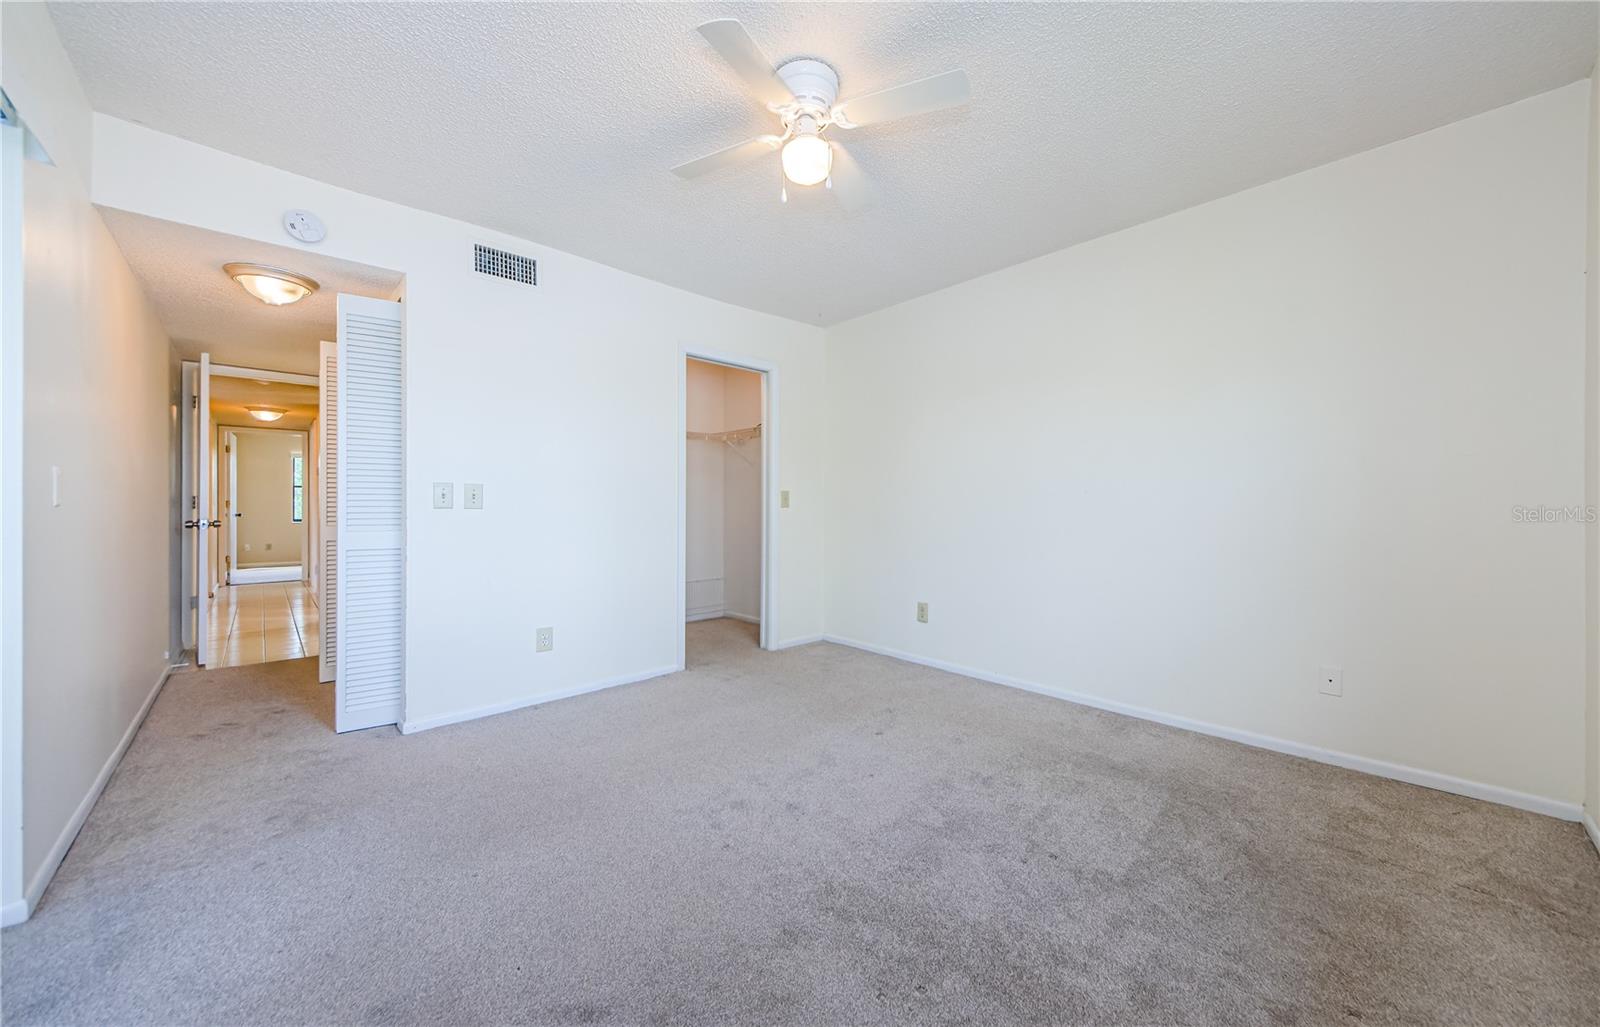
(815, 836)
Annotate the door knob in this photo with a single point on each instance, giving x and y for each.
(191, 524)
(216, 524)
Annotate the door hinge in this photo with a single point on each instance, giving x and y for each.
(194, 602)
(194, 402)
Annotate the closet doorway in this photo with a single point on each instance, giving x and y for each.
(725, 486)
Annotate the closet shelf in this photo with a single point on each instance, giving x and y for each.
(735, 435)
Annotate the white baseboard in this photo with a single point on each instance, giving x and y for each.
(719, 614)
(411, 727)
(263, 575)
(1594, 830)
(69, 834)
(1380, 768)
(790, 643)
(13, 913)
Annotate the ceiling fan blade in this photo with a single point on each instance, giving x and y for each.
(929, 94)
(738, 153)
(729, 39)
(851, 187)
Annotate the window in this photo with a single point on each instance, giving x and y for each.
(299, 510)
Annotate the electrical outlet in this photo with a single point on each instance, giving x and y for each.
(1331, 681)
(922, 613)
(472, 497)
(444, 495)
(544, 640)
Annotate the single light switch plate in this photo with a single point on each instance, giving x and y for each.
(472, 496)
(783, 499)
(922, 613)
(444, 495)
(545, 640)
(55, 486)
(1331, 681)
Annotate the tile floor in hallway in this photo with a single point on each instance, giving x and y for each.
(262, 623)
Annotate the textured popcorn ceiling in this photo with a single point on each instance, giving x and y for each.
(203, 309)
(559, 122)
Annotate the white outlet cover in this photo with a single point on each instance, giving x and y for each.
(472, 497)
(444, 495)
(304, 225)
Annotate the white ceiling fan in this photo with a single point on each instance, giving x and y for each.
(803, 93)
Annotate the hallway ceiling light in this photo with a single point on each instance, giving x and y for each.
(266, 413)
(271, 285)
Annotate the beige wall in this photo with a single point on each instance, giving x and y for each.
(96, 366)
(268, 535)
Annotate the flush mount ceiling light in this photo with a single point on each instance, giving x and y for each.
(266, 413)
(271, 285)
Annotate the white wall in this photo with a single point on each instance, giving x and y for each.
(12, 906)
(1183, 466)
(97, 366)
(1592, 464)
(580, 527)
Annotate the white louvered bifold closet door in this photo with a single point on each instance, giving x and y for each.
(328, 525)
(369, 471)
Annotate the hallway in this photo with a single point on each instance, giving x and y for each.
(262, 623)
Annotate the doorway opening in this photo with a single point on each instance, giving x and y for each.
(725, 481)
(259, 580)
(296, 358)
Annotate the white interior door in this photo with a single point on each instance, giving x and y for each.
(327, 523)
(191, 509)
(369, 472)
(313, 547)
(230, 506)
(203, 519)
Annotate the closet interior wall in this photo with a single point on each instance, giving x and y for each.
(723, 475)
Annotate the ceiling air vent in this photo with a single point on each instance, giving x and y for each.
(511, 266)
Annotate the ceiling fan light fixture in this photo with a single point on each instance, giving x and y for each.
(271, 285)
(266, 413)
(807, 159)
